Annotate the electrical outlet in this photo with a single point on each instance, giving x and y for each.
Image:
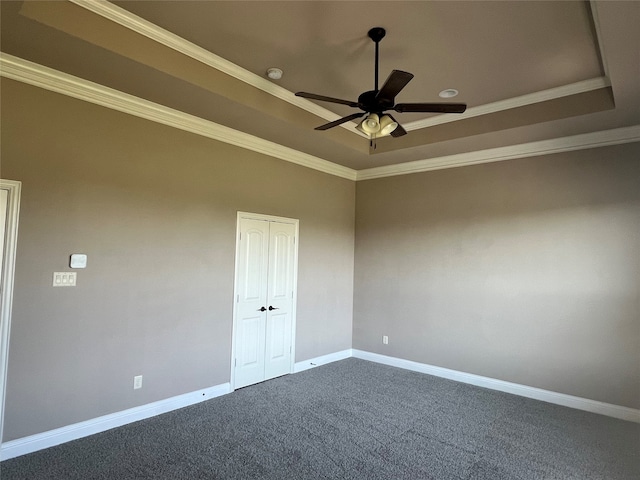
(137, 382)
(385, 340)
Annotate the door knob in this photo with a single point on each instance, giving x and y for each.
(262, 309)
(273, 308)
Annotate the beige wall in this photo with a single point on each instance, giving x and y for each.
(526, 271)
(155, 210)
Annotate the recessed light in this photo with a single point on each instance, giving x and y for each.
(274, 73)
(448, 93)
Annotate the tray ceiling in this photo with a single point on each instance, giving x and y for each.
(529, 71)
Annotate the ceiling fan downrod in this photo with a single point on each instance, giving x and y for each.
(376, 34)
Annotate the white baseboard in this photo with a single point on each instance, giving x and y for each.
(33, 443)
(323, 360)
(579, 403)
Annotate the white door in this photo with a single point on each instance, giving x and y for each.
(4, 204)
(265, 288)
(9, 208)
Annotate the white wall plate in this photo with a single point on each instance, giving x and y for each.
(78, 260)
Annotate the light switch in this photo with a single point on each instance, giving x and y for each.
(78, 260)
(64, 279)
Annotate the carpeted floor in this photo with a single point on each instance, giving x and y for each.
(352, 420)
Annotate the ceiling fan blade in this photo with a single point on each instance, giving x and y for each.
(322, 98)
(430, 107)
(398, 131)
(340, 121)
(396, 82)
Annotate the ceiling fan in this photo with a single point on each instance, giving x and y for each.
(375, 102)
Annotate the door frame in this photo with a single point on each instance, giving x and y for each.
(270, 218)
(6, 296)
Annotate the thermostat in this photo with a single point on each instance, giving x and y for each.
(78, 260)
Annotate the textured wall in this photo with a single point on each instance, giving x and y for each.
(526, 271)
(155, 210)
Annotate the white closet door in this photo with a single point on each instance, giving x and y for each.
(265, 280)
(251, 316)
(280, 299)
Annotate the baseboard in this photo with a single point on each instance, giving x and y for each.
(608, 409)
(33, 443)
(322, 360)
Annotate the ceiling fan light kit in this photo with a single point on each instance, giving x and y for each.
(371, 124)
(387, 125)
(375, 102)
(376, 126)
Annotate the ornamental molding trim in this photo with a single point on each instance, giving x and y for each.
(40, 76)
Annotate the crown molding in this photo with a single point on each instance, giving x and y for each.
(595, 16)
(160, 35)
(515, 102)
(583, 141)
(47, 78)
(44, 77)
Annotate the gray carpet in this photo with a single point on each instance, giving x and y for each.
(352, 420)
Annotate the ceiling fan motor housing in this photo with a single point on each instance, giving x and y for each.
(369, 103)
